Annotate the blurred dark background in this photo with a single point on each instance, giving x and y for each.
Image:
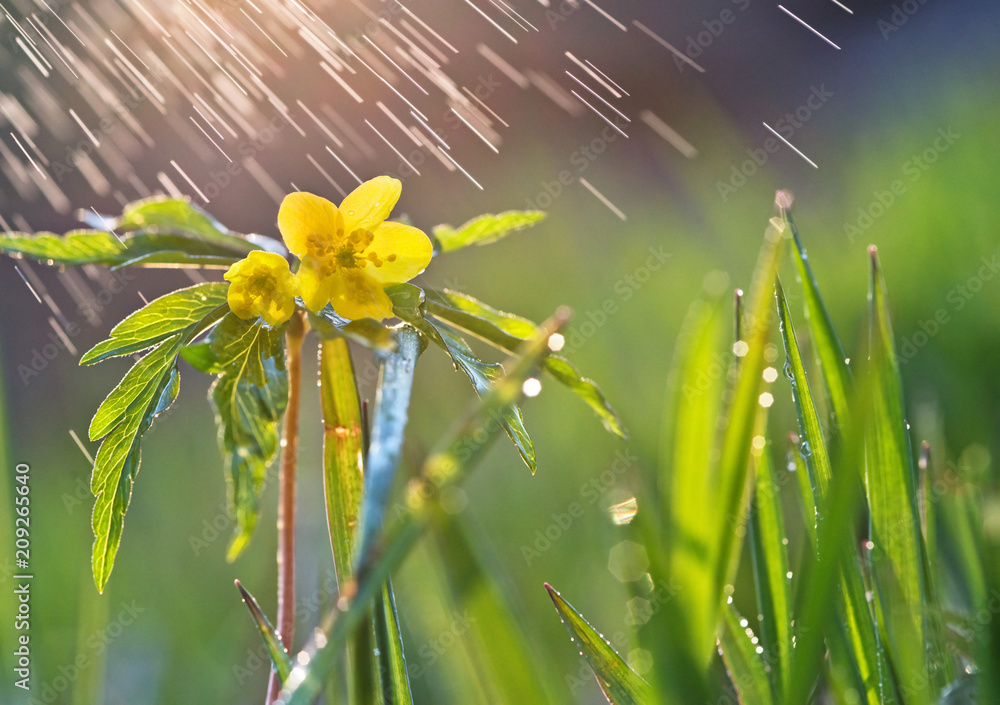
(869, 115)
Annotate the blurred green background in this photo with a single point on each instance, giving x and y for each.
(171, 628)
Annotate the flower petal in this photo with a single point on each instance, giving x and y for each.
(357, 295)
(314, 288)
(411, 247)
(303, 214)
(370, 203)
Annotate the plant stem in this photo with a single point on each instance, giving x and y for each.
(294, 335)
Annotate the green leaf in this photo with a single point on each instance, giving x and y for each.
(177, 216)
(500, 634)
(564, 371)
(483, 375)
(394, 684)
(77, 247)
(163, 244)
(769, 556)
(279, 657)
(249, 399)
(483, 230)
(366, 331)
(852, 605)
(389, 419)
(160, 319)
(448, 464)
(741, 415)
(147, 390)
(621, 685)
(826, 343)
(506, 332)
(745, 666)
(343, 452)
(407, 297)
(897, 562)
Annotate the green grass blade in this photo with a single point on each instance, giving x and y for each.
(499, 635)
(813, 448)
(343, 452)
(829, 351)
(447, 466)
(621, 685)
(768, 546)
(894, 519)
(821, 569)
(852, 606)
(694, 400)
(807, 494)
(744, 664)
(392, 402)
(394, 684)
(742, 413)
(279, 657)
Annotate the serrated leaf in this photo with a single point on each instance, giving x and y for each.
(136, 384)
(745, 666)
(176, 247)
(483, 230)
(279, 657)
(621, 685)
(158, 320)
(506, 332)
(177, 216)
(483, 375)
(895, 532)
(249, 399)
(76, 247)
(149, 392)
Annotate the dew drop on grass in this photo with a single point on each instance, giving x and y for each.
(788, 371)
(805, 449)
(744, 622)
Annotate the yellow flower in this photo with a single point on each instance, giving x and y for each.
(262, 285)
(350, 254)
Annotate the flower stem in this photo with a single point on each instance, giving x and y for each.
(294, 335)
